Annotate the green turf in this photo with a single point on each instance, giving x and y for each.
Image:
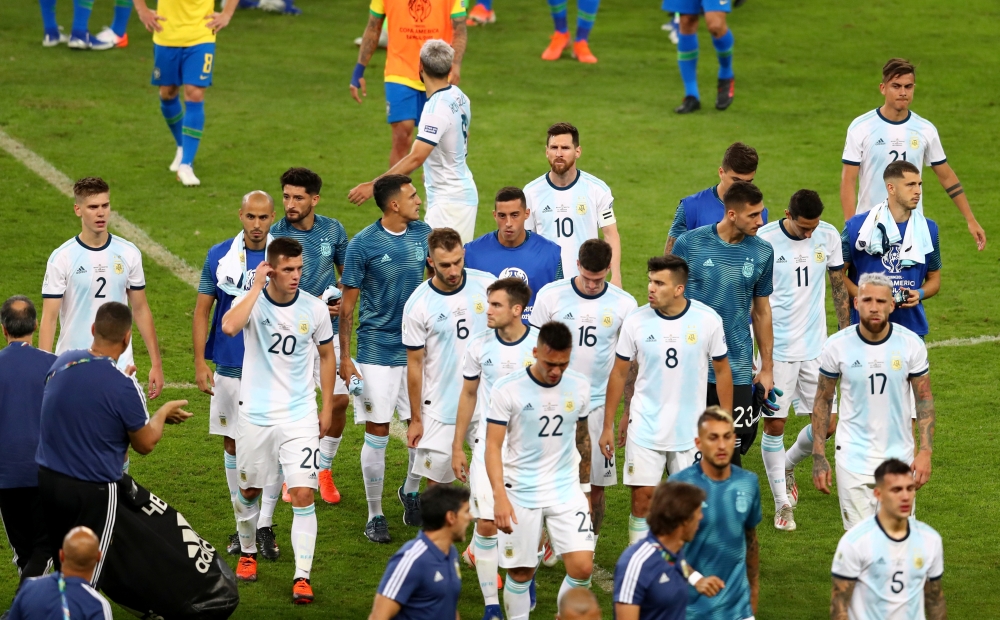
(281, 99)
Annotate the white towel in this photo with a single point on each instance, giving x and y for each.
(232, 276)
(879, 232)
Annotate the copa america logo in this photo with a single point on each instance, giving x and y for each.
(514, 272)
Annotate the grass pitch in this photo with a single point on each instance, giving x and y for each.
(280, 98)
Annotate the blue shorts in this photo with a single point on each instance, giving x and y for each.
(403, 103)
(694, 7)
(178, 66)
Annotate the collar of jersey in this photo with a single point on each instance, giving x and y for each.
(544, 385)
(465, 278)
(715, 233)
(562, 189)
(572, 282)
(378, 223)
(448, 87)
(26, 344)
(673, 318)
(87, 247)
(284, 305)
(788, 234)
(715, 192)
(879, 524)
(431, 546)
(879, 112)
(496, 332)
(857, 328)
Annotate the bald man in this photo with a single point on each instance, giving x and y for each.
(579, 604)
(42, 598)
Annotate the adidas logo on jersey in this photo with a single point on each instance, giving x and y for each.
(651, 338)
(528, 407)
(880, 142)
(664, 578)
(569, 316)
(856, 364)
(488, 362)
(266, 322)
(385, 258)
(442, 317)
(547, 209)
(438, 576)
(781, 259)
(81, 269)
(708, 263)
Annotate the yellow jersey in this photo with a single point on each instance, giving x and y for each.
(410, 23)
(185, 22)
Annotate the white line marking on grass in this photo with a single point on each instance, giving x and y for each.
(963, 342)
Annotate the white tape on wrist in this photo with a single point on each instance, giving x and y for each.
(695, 578)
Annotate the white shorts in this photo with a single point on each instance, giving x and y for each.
(480, 490)
(568, 525)
(339, 387)
(293, 445)
(856, 493)
(224, 407)
(603, 472)
(384, 393)
(433, 458)
(798, 381)
(448, 215)
(644, 467)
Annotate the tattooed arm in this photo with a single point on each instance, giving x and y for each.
(934, 605)
(921, 387)
(949, 181)
(753, 566)
(822, 477)
(840, 296)
(633, 373)
(369, 43)
(583, 447)
(458, 42)
(840, 600)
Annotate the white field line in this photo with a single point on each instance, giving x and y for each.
(963, 342)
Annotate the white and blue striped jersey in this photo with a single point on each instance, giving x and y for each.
(569, 215)
(875, 403)
(798, 301)
(540, 459)
(440, 323)
(488, 358)
(671, 388)
(280, 341)
(595, 321)
(889, 574)
(444, 124)
(874, 142)
(86, 278)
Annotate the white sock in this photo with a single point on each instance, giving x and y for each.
(328, 447)
(772, 450)
(487, 561)
(801, 449)
(412, 484)
(516, 600)
(304, 528)
(247, 514)
(637, 528)
(569, 583)
(232, 476)
(373, 469)
(268, 500)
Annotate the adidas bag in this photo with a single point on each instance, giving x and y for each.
(157, 567)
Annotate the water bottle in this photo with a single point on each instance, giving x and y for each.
(356, 386)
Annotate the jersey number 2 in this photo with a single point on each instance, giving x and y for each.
(100, 291)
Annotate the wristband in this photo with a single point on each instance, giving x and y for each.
(695, 578)
(585, 487)
(920, 292)
(359, 72)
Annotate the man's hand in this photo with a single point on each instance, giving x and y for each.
(912, 299)
(175, 415)
(766, 379)
(217, 21)
(606, 443)
(978, 234)
(503, 514)
(822, 476)
(263, 272)
(205, 378)
(922, 468)
(709, 586)
(347, 369)
(150, 19)
(334, 309)
(362, 192)
(360, 87)
(155, 381)
(414, 432)
(623, 431)
(459, 463)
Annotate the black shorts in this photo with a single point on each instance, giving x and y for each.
(24, 522)
(745, 418)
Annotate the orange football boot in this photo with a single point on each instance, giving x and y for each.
(556, 46)
(581, 51)
(327, 489)
(480, 15)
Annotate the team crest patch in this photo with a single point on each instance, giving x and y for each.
(568, 405)
(742, 504)
(897, 362)
(419, 252)
(581, 206)
(325, 248)
(119, 266)
(478, 306)
(819, 256)
(243, 476)
(419, 9)
(458, 571)
(427, 462)
(914, 142)
(631, 468)
(303, 326)
(918, 562)
(692, 335)
(747, 270)
(156, 73)
(368, 406)
(508, 550)
(528, 360)
(606, 319)
(243, 259)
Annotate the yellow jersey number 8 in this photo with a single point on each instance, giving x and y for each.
(207, 67)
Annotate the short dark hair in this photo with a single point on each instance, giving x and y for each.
(89, 186)
(561, 129)
(509, 193)
(517, 290)
(740, 158)
(894, 467)
(805, 203)
(443, 238)
(676, 265)
(437, 501)
(282, 246)
(896, 67)
(595, 255)
(19, 322)
(672, 505)
(714, 414)
(386, 188)
(112, 322)
(556, 336)
(897, 169)
(302, 177)
(742, 194)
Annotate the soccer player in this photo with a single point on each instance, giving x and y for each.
(726, 543)
(687, 50)
(441, 147)
(739, 163)
(536, 435)
(908, 252)
(586, 13)
(889, 562)
(878, 364)
(409, 26)
(511, 251)
(798, 314)
(504, 348)
(438, 319)
(184, 55)
(594, 310)
(278, 419)
(669, 341)
(385, 263)
(89, 270)
(422, 579)
(324, 248)
(891, 133)
(568, 206)
(730, 271)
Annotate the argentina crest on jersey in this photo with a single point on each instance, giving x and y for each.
(325, 248)
(742, 502)
(748, 268)
(607, 317)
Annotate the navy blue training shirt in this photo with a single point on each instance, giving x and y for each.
(22, 381)
(701, 209)
(88, 410)
(39, 599)
(537, 261)
(425, 582)
(650, 577)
